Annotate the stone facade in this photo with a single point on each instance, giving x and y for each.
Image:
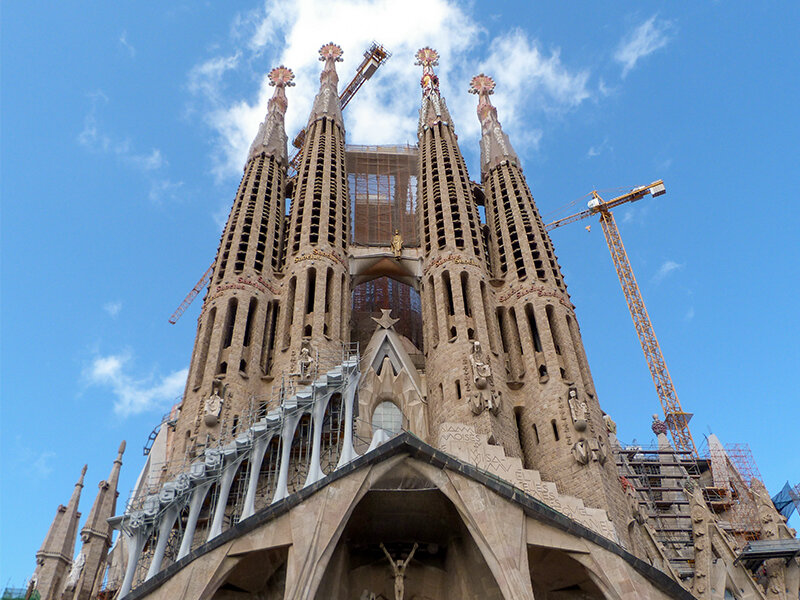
(472, 462)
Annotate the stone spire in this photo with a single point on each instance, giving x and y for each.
(327, 104)
(271, 137)
(55, 556)
(433, 109)
(495, 145)
(96, 534)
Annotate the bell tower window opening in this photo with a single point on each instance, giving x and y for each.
(230, 321)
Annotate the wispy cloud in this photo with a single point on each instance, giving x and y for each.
(667, 267)
(96, 138)
(123, 40)
(134, 395)
(113, 308)
(645, 39)
(598, 149)
(529, 79)
(689, 314)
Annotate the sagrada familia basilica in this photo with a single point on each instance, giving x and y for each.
(389, 398)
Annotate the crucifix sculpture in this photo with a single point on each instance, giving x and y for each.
(399, 570)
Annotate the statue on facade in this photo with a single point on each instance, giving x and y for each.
(305, 364)
(213, 404)
(578, 410)
(485, 397)
(397, 244)
(399, 571)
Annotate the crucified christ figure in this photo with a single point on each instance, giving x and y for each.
(399, 569)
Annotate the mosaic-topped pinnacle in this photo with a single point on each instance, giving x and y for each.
(658, 426)
(482, 85)
(331, 51)
(427, 57)
(271, 137)
(495, 145)
(281, 77)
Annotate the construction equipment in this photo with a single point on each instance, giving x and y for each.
(677, 420)
(374, 57)
(192, 295)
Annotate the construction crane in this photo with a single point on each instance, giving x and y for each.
(374, 57)
(677, 420)
(192, 295)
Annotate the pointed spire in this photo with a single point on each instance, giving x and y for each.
(326, 103)
(433, 109)
(58, 548)
(105, 502)
(495, 145)
(271, 137)
(96, 532)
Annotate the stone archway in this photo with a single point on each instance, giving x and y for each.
(402, 512)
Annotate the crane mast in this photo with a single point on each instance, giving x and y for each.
(676, 418)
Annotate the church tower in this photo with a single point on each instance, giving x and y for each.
(54, 559)
(234, 349)
(462, 360)
(316, 286)
(561, 426)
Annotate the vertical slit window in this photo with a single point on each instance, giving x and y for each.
(311, 285)
(200, 366)
(448, 293)
(251, 315)
(287, 327)
(537, 341)
(465, 293)
(230, 321)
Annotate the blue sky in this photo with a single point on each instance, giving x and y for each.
(124, 130)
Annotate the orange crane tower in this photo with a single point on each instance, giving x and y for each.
(374, 57)
(677, 419)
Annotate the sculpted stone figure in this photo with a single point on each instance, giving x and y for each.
(397, 243)
(486, 397)
(304, 364)
(399, 571)
(577, 410)
(213, 404)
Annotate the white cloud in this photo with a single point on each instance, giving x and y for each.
(689, 314)
(123, 40)
(645, 39)
(386, 108)
(667, 267)
(113, 308)
(134, 395)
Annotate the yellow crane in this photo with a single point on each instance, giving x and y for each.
(676, 418)
(374, 57)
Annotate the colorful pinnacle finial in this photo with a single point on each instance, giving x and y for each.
(481, 84)
(281, 77)
(427, 57)
(331, 51)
